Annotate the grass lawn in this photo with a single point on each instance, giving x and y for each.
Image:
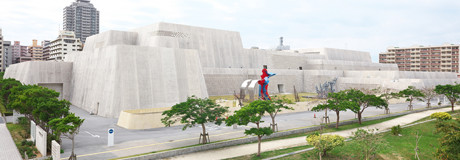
(397, 147)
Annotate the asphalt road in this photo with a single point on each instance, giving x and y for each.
(91, 143)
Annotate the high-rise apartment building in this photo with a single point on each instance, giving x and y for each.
(64, 44)
(36, 51)
(20, 53)
(82, 18)
(444, 58)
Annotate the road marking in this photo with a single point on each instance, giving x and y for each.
(148, 145)
(93, 135)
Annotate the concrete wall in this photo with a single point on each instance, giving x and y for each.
(125, 77)
(224, 81)
(40, 72)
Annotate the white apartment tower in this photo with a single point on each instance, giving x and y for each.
(82, 18)
(64, 44)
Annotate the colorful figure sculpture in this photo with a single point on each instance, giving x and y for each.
(263, 84)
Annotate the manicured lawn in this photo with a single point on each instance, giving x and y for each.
(397, 147)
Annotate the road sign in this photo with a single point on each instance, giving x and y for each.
(110, 137)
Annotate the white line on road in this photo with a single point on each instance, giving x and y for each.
(92, 135)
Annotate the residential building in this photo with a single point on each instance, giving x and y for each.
(82, 18)
(443, 58)
(46, 49)
(8, 53)
(36, 51)
(64, 44)
(20, 53)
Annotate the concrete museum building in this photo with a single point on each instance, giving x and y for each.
(159, 65)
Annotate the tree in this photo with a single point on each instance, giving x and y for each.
(274, 107)
(337, 102)
(69, 126)
(368, 142)
(363, 101)
(18, 101)
(450, 91)
(325, 143)
(5, 89)
(387, 95)
(195, 111)
(450, 140)
(252, 113)
(410, 93)
(38, 103)
(429, 94)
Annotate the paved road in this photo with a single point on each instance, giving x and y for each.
(92, 140)
(8, 150)
(241, 150)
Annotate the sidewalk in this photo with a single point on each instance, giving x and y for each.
(247, 149)
(8, 149)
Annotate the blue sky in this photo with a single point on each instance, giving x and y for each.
(364, 25)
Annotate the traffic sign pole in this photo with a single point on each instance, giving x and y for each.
(110, 140)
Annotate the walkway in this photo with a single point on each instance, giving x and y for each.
(8, 149)
(247, 149)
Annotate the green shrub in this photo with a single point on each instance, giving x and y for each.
(442, 116)
(28, 148)
(325, 143)
(396, 130)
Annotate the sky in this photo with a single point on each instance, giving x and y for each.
(364, 25)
